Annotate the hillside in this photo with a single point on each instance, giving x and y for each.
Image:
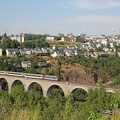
(62, 43)
(74, 73)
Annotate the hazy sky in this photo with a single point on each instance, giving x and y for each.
(92, 17)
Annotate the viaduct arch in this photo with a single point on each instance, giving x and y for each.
(45, 85)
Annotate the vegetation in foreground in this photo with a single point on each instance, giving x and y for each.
(19, 105)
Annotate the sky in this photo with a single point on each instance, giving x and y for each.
(91, 17)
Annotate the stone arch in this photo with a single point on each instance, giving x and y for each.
(17, 82)
(49, 91)
(3, 84)
(36, 87)
(79, 94)
(80, 87)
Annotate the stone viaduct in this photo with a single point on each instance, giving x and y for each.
(46, 85)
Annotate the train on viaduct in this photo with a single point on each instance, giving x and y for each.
(46, 82)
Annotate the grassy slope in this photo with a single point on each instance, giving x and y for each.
(62, 43)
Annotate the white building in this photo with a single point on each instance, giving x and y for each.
(104, 42)
(11, 51)
(51, 38)
(0, 51)
(16, 37)
(26, 64)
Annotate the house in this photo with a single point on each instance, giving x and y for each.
(44, 65)
(57, 54)
(71, 36)
(87, 55)
(103, 54)
(16, 37)
(65, 38)
(104, 42)
(111, 44)
(77, 52)
(106, 49)
(51, 38)
(21, 52)
(41, 51)
(69, 53)
(90, 55)
(11, 51)
(25, 51)
(98, 45)
(26, 64)
(94, 55)
(85, 46)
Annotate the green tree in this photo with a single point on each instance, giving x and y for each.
(56, 92)
(79, 39)
(19, 96)
(68, 110)
(79, 95)
(5, 36)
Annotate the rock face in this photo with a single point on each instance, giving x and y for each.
(79, 74)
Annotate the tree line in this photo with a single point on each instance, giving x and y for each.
(19, 104)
